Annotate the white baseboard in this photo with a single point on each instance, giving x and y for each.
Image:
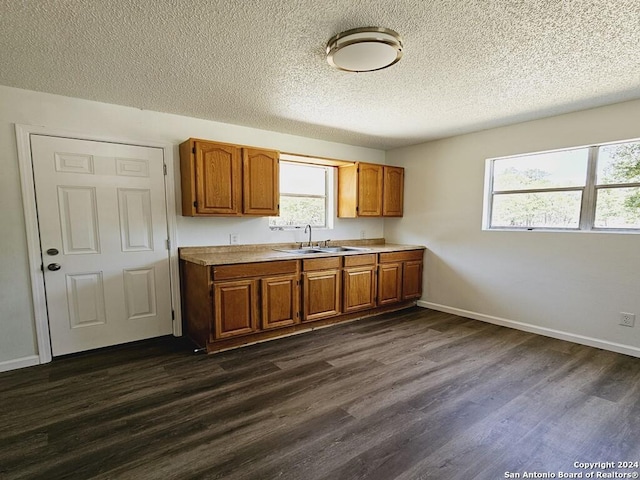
(527, 327)
(19, 363)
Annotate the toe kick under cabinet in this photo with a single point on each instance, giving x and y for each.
(225, 306)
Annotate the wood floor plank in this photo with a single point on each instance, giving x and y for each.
(415, 394)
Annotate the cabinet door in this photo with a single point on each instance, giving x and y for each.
(359, 288)
(348, 191)
(389, 283)
(412, 279)
(235, 308)
(218, 183)
(393, 192)
(261, 174)
(321, 294)
(280, 301)
(370, 180)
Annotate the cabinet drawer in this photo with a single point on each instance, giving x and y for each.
(401, 256)
(357, 260)
(244, 270)
(320, 263)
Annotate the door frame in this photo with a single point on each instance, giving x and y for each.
(36, 274)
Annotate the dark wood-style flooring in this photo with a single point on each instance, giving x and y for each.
(412, 395)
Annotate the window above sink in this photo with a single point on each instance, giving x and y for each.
(306, 196)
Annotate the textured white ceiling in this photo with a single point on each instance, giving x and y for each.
(467, 64)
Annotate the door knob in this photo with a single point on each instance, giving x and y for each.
(54, 266)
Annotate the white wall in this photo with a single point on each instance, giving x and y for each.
(573, 284)
(17, 331)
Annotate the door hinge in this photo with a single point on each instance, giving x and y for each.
(168, 244)
(164, 167)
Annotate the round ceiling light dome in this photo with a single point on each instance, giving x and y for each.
(364, 49)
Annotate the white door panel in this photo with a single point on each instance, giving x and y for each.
(102, 206)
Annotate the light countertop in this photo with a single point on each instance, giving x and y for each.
(228, 255)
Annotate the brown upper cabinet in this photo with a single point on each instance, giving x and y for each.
(370, 190)
(228, 180)
(393, 192)
(261, 185)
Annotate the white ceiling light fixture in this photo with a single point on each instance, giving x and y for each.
(364, 49)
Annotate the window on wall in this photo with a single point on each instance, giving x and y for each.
(589, 188)
(304, 196)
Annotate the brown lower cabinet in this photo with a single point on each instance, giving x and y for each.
(399, 276)
(412, 279)
(235, 309)
(389, 283)
(359, 280)
(320, 288)
(230, 305)
(280, 301)
(239, 290)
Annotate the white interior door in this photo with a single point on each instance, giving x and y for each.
(103, 235)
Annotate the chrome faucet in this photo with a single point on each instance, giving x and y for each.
(305, 231)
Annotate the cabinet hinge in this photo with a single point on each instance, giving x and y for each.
(168, 244)
(173, 315)
(357, 208)
(164, 168)
(195, 204)
(193, 150)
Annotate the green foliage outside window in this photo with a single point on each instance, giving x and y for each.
(619, 207)
(300, 211)
(303, 196)
(546, 190)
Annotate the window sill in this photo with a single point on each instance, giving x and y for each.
(564, 230)
(293, 229)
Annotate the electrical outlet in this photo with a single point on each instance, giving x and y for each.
(363, 234)
(233, 239)
(627, 319)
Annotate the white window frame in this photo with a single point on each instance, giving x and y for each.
(589, 193)
(328, 190)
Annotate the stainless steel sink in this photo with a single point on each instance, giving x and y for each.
(309, 250)
(342, 249)
(301, 251)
